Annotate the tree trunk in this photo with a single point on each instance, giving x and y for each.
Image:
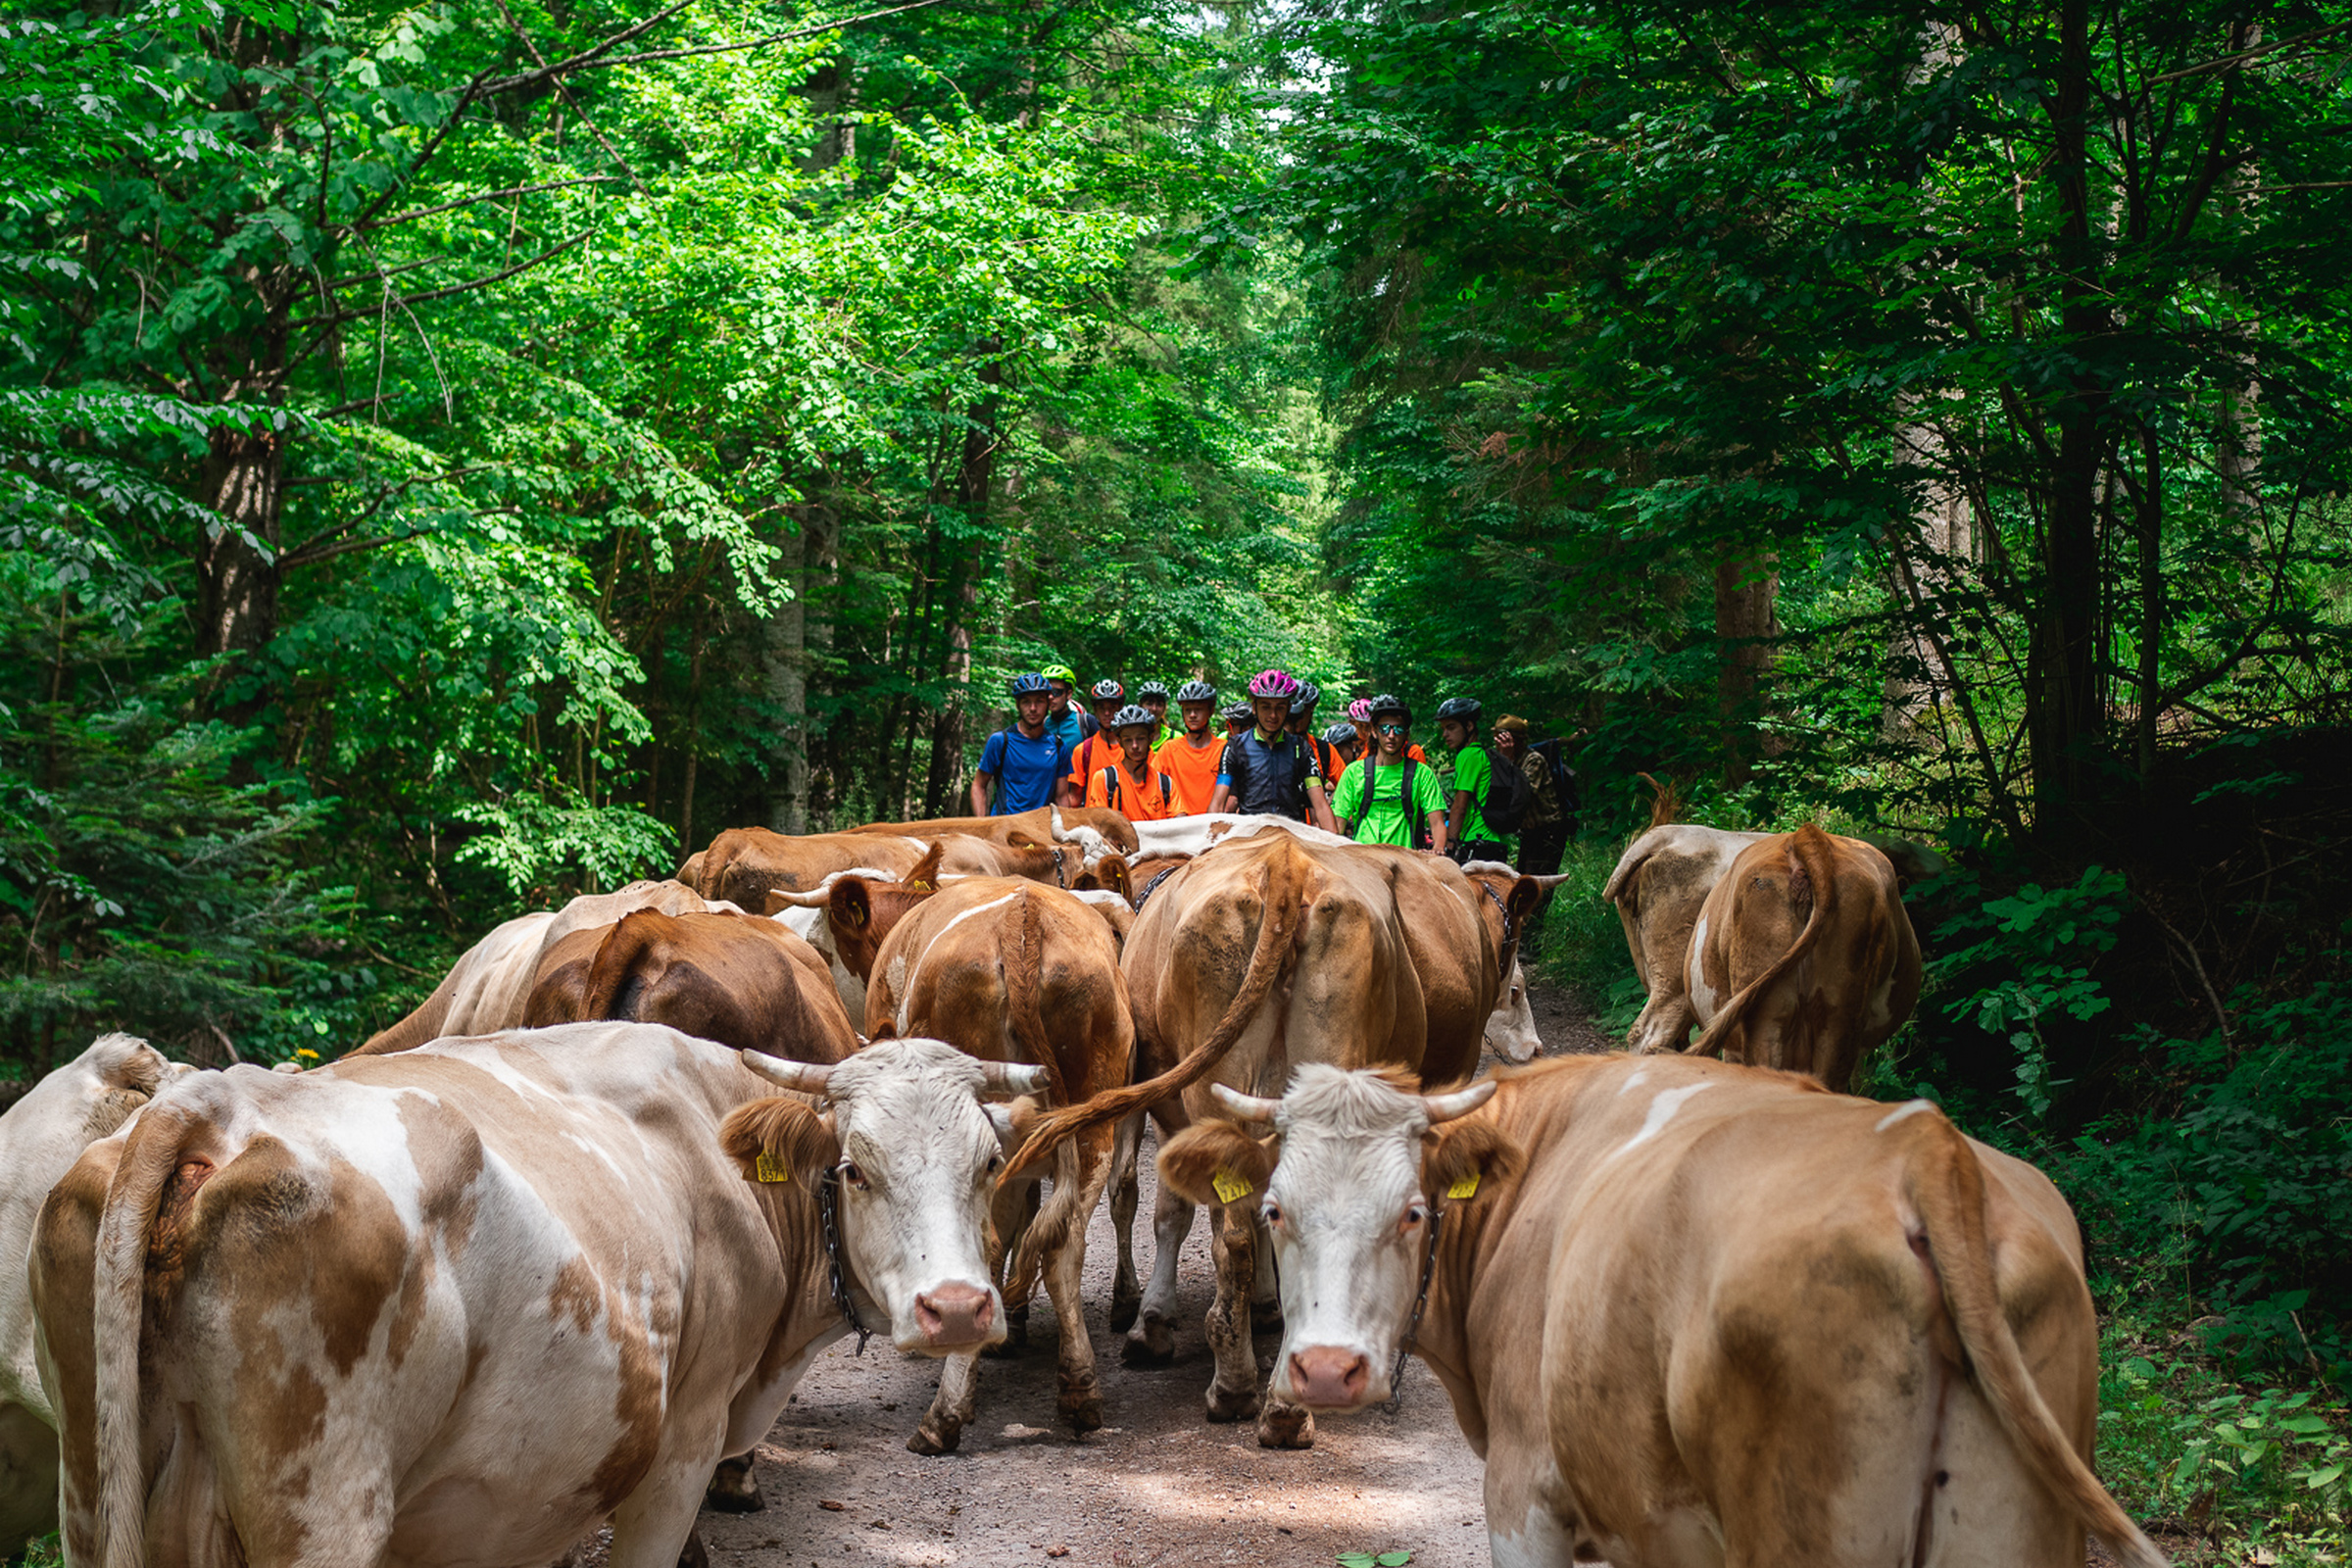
(1932, 548)
(236, 563)
(1746, 589)
(784, 682)
(2064, 713)
(974, 471)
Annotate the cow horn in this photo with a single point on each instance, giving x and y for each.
(1248, 1108)
(1462, 1101)
(1013, 1077)
(815, 898)
(807, 1077)
(1547, 883)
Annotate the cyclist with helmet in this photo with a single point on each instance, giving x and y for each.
(1190, 760)
(1359, 716)
(1072, 723)
(1393, 799)
(1267, 769)
(1024, 764)
(1101, 747)
(1341, 738)
(1132, 785)
(1473, 777)
(1154, 698)
(1237, 720)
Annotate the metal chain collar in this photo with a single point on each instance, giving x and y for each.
(1165, 873)
(1413, 1327)
(1505, 907)
(828, 1219)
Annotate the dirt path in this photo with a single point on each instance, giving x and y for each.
(1157, 1485)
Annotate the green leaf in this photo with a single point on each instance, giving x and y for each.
(1355, 1559)
(1393, 1559)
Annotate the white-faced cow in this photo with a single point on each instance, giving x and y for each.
(1690, 1314)
(461, 1303)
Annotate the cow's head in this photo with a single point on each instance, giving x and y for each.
(1511, 1026)
(1345, 1183)
(917, 1153)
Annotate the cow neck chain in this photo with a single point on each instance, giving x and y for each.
(1505, 907)
(1413, 1327)
(1149, 886)
(828, 1219)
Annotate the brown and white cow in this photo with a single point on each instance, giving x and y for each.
(742, 980)
(1803, 956)
(754, 868)
(461, 1303)
(40, 1137)
(1249, 960)
(1008, 971)
(490, 985)
(1692, 1313)
(1659, 886)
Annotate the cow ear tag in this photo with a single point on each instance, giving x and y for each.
(766, 1168)
(1466, 1187)
(1229, 1188)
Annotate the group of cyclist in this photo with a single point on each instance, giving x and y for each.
(1363, 777)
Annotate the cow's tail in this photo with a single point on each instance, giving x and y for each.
(119, 1301)
(1620, 886)
(1665, 800)
(1280, 911)
(1812, 879)
(1024, 980)
(1946, 1185)
(617, 961)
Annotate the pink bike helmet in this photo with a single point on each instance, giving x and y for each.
(1359, 711)
(1274, 683)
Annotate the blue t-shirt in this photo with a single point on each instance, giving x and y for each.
(1025, 771)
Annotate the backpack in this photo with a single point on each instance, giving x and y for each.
(1110, 788)
(1508, 796)
(1321, 752)
(1563, 777)
(1417, 823)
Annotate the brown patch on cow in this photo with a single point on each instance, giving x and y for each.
(576, 1293)
(371, 1256)
(1461, 1150)
(1190, 1161)
(1217, 830)
(61, 1282)
(787, 1131)
(297, 1413)
(448, 1156)
(637, 1407)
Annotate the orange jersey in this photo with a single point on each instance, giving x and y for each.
(1092, 756)
(1194, 773)
(1151, 799)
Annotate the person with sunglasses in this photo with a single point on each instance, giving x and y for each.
(1063, 718)
(1390, 797)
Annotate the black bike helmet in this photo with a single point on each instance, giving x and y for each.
(1132, 713)
(1240, 713)
(1304, 701)
(1464, 708)
(1195, 691)
(1383, 705)
(1023, 685)
(1339, 734)
(1108, 691)
(1149, 689)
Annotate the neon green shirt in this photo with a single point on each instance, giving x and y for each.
(1470, 772)
(1385, 820)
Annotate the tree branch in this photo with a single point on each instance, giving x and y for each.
(486, 196)
(585, 62)
(2232, 62)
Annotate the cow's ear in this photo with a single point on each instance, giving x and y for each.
(1216, 1162)
(1462, 1159)
(1526, 897)
(779, 1140)
(850, 906)
(1111, 872)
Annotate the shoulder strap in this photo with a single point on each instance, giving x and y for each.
(1110, 786)
(1415, 824)
(1164, 789)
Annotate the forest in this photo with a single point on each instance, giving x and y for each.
(459, 454)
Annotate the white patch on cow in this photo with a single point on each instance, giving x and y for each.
(1903, 1113)
(1879, 1010)
(1702, 999)
(370, 1135)
(1510, 1031)
(1661, 1111)
(615, 1165)
(1633, 1081)
(1537, 1543)
(906, 992)
(1102, 895)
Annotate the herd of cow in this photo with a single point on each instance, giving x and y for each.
(554, 1249)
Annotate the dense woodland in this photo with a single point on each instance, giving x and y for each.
(457, 454)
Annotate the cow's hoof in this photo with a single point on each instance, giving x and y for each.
(1286, 1426)
(692, 1554)
(1082, 1409)
(1224, 1408)
(733, 1488)
(1124, 1310)
(928, 1440)
(1153, 1343)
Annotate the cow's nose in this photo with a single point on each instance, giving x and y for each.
(1327, 1378)
(955, 1316)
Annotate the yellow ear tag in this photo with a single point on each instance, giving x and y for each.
(1229, 1188)
(766, 1170)
(1467, 1186)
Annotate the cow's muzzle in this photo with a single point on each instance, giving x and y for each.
(1324, 1376)
(955, 1317)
